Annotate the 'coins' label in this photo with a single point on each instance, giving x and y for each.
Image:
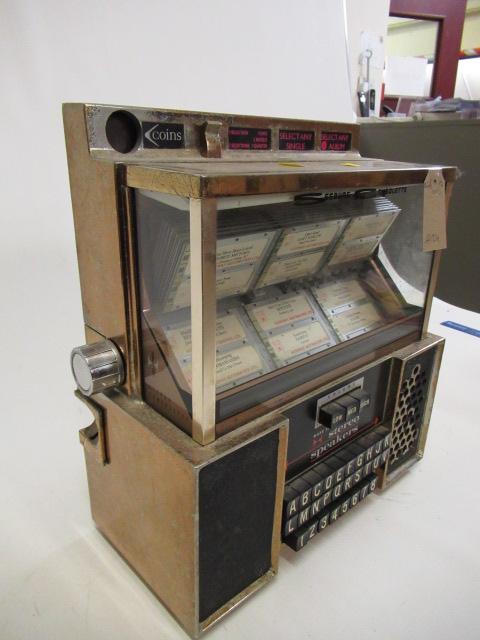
(163, 135)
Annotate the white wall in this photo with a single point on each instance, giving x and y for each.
(272, 57)
(418, 37)
(471, 28)
(468, 79)
(411, 37)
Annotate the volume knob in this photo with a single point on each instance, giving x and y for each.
(97, 367)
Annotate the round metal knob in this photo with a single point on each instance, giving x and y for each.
(97, 367)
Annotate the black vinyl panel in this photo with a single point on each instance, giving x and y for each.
(236, 510)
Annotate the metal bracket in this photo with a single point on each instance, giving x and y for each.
(213, 139)
(94, 434)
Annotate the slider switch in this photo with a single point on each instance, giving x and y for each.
(362, 397)
(351, 406)
(331, 415)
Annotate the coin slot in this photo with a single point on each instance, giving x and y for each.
(123, 131)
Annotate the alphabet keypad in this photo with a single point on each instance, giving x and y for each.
(325, 492)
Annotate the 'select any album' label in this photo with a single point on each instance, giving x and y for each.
(335, 141)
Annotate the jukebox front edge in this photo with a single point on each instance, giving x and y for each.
(256, 299)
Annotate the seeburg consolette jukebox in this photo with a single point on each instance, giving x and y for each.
(256, 299)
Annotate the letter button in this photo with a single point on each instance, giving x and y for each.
(367, 469)
(315, 481)
(359, 454)
(364, 491)
(336, 464)
(304, 490)
(291, 501)
(337, 491)
(298, 539)
(348, 456)
(315, 508)
(354, 499)
(357, 476)
(345, 506)
(326, 473)
(347, 485)
(378, 447)
(326, 498)
(303, 516)
(335, 513)
(290, 526)
(323, 522)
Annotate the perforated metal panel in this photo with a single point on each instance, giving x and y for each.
(408, 414)
(410, 408)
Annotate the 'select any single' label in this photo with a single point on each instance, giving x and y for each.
(296, 140)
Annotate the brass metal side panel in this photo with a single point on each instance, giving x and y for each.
(95, 212)
(144, 502)
(144, 497)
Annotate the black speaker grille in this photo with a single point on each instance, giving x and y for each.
(236, 510)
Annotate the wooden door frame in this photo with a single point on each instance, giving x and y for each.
(450, 16)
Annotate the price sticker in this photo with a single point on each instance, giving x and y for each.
(434, 212)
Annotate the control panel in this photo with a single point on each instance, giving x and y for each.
(317, 498)
(323, 423)
(158, 134)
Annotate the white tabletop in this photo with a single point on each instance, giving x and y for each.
(404, 564)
